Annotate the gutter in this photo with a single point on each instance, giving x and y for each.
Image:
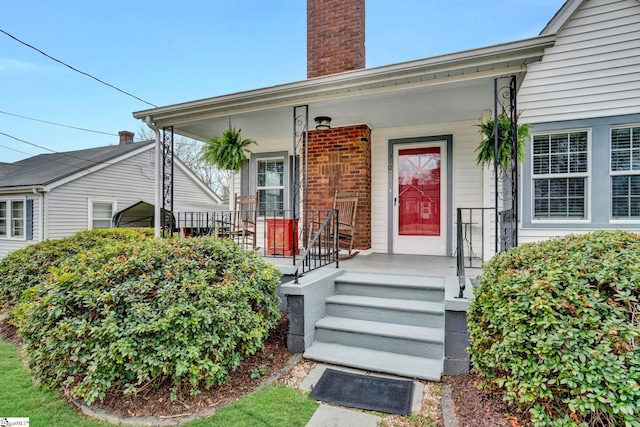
(157, 180)
(358, 79)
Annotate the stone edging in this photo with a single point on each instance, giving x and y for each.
(448, 408)
(174, 420)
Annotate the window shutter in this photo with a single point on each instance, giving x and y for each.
(29, 223)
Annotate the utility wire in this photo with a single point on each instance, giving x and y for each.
(75, 69)
(55, 152)
(57, 124)
(17, 151)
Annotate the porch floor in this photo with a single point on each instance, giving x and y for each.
(419, 265)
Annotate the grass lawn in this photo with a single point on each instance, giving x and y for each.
(20, 397)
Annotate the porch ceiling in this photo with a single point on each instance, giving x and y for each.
(452, 87)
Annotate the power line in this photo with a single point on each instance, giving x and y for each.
(57, 124)
(17, 151)
(75, 69)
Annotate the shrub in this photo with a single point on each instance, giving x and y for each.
(28, 267)
(555, 325)
(132, 314)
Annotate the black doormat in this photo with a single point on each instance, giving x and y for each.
(364, 392)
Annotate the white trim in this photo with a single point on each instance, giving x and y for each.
(91, 202)
(395, 76)
(630, 172)
(587, 175)
(562, 16)
(9, 218)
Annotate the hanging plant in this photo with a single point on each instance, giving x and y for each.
(228, 152)
(485, 150)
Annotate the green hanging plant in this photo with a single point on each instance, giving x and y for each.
(228, 152)
(485, 150)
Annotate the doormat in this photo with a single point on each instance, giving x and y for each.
(364, 392)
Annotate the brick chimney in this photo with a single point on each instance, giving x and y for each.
(126, 137)
(335, 36)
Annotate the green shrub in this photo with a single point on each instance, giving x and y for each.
(28, 267)
(556, 325)
(132, 314)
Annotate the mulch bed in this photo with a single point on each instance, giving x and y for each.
(481, 408)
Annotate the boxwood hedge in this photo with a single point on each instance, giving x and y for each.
(28, 267)
(134, 313)
(556, 325)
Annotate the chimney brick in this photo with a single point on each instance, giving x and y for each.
(335, 36)
(126, 137)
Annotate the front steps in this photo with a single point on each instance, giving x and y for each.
(384, 323)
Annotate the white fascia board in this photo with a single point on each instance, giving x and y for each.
(368, 78)
(148, 146)
(561, 17)
(193, 177)
(25, 189)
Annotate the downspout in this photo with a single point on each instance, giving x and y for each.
(158, 182)
(40, 194)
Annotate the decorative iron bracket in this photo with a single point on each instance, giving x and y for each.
(167, 221)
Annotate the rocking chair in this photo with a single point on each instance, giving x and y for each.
(347, 205)
(241, 225)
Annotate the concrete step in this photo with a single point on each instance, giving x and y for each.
(402, 339)
(396, 286)
(377, 361)
(387, 310)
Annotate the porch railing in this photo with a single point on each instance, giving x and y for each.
(470, 241)
(273, 234)
(323, 248)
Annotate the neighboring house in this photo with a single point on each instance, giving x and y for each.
(50, 196)
(411, 128)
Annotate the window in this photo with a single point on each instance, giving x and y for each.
(560, 172)
(270, 186)
(625, 173)
(13, 219)
(100, 214)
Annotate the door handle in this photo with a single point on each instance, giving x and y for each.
(395, 201)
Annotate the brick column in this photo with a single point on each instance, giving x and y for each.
(340, 160)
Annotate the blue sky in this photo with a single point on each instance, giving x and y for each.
(167, 52)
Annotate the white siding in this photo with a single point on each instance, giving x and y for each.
(8, 245)
(593, 70)
(467, 176)
(124, 183)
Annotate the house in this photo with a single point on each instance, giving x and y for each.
(50, 196)
(403, 136)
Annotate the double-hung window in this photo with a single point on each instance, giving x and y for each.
(560, 175)
(625, 173)
(100, 214)
(270, 186)
(12, 219)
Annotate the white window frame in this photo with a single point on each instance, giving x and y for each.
(612, 173)
(272, 187)
(10, 235)
(91, 202)
(586, 175)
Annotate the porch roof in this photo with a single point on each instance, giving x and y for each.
(451, 87)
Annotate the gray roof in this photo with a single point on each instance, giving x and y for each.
(45, 169)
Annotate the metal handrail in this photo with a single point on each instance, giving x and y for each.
(316, 242)
(465, 236)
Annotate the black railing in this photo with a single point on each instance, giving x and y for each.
(470, 241)
(323, 248)
(271, 234)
